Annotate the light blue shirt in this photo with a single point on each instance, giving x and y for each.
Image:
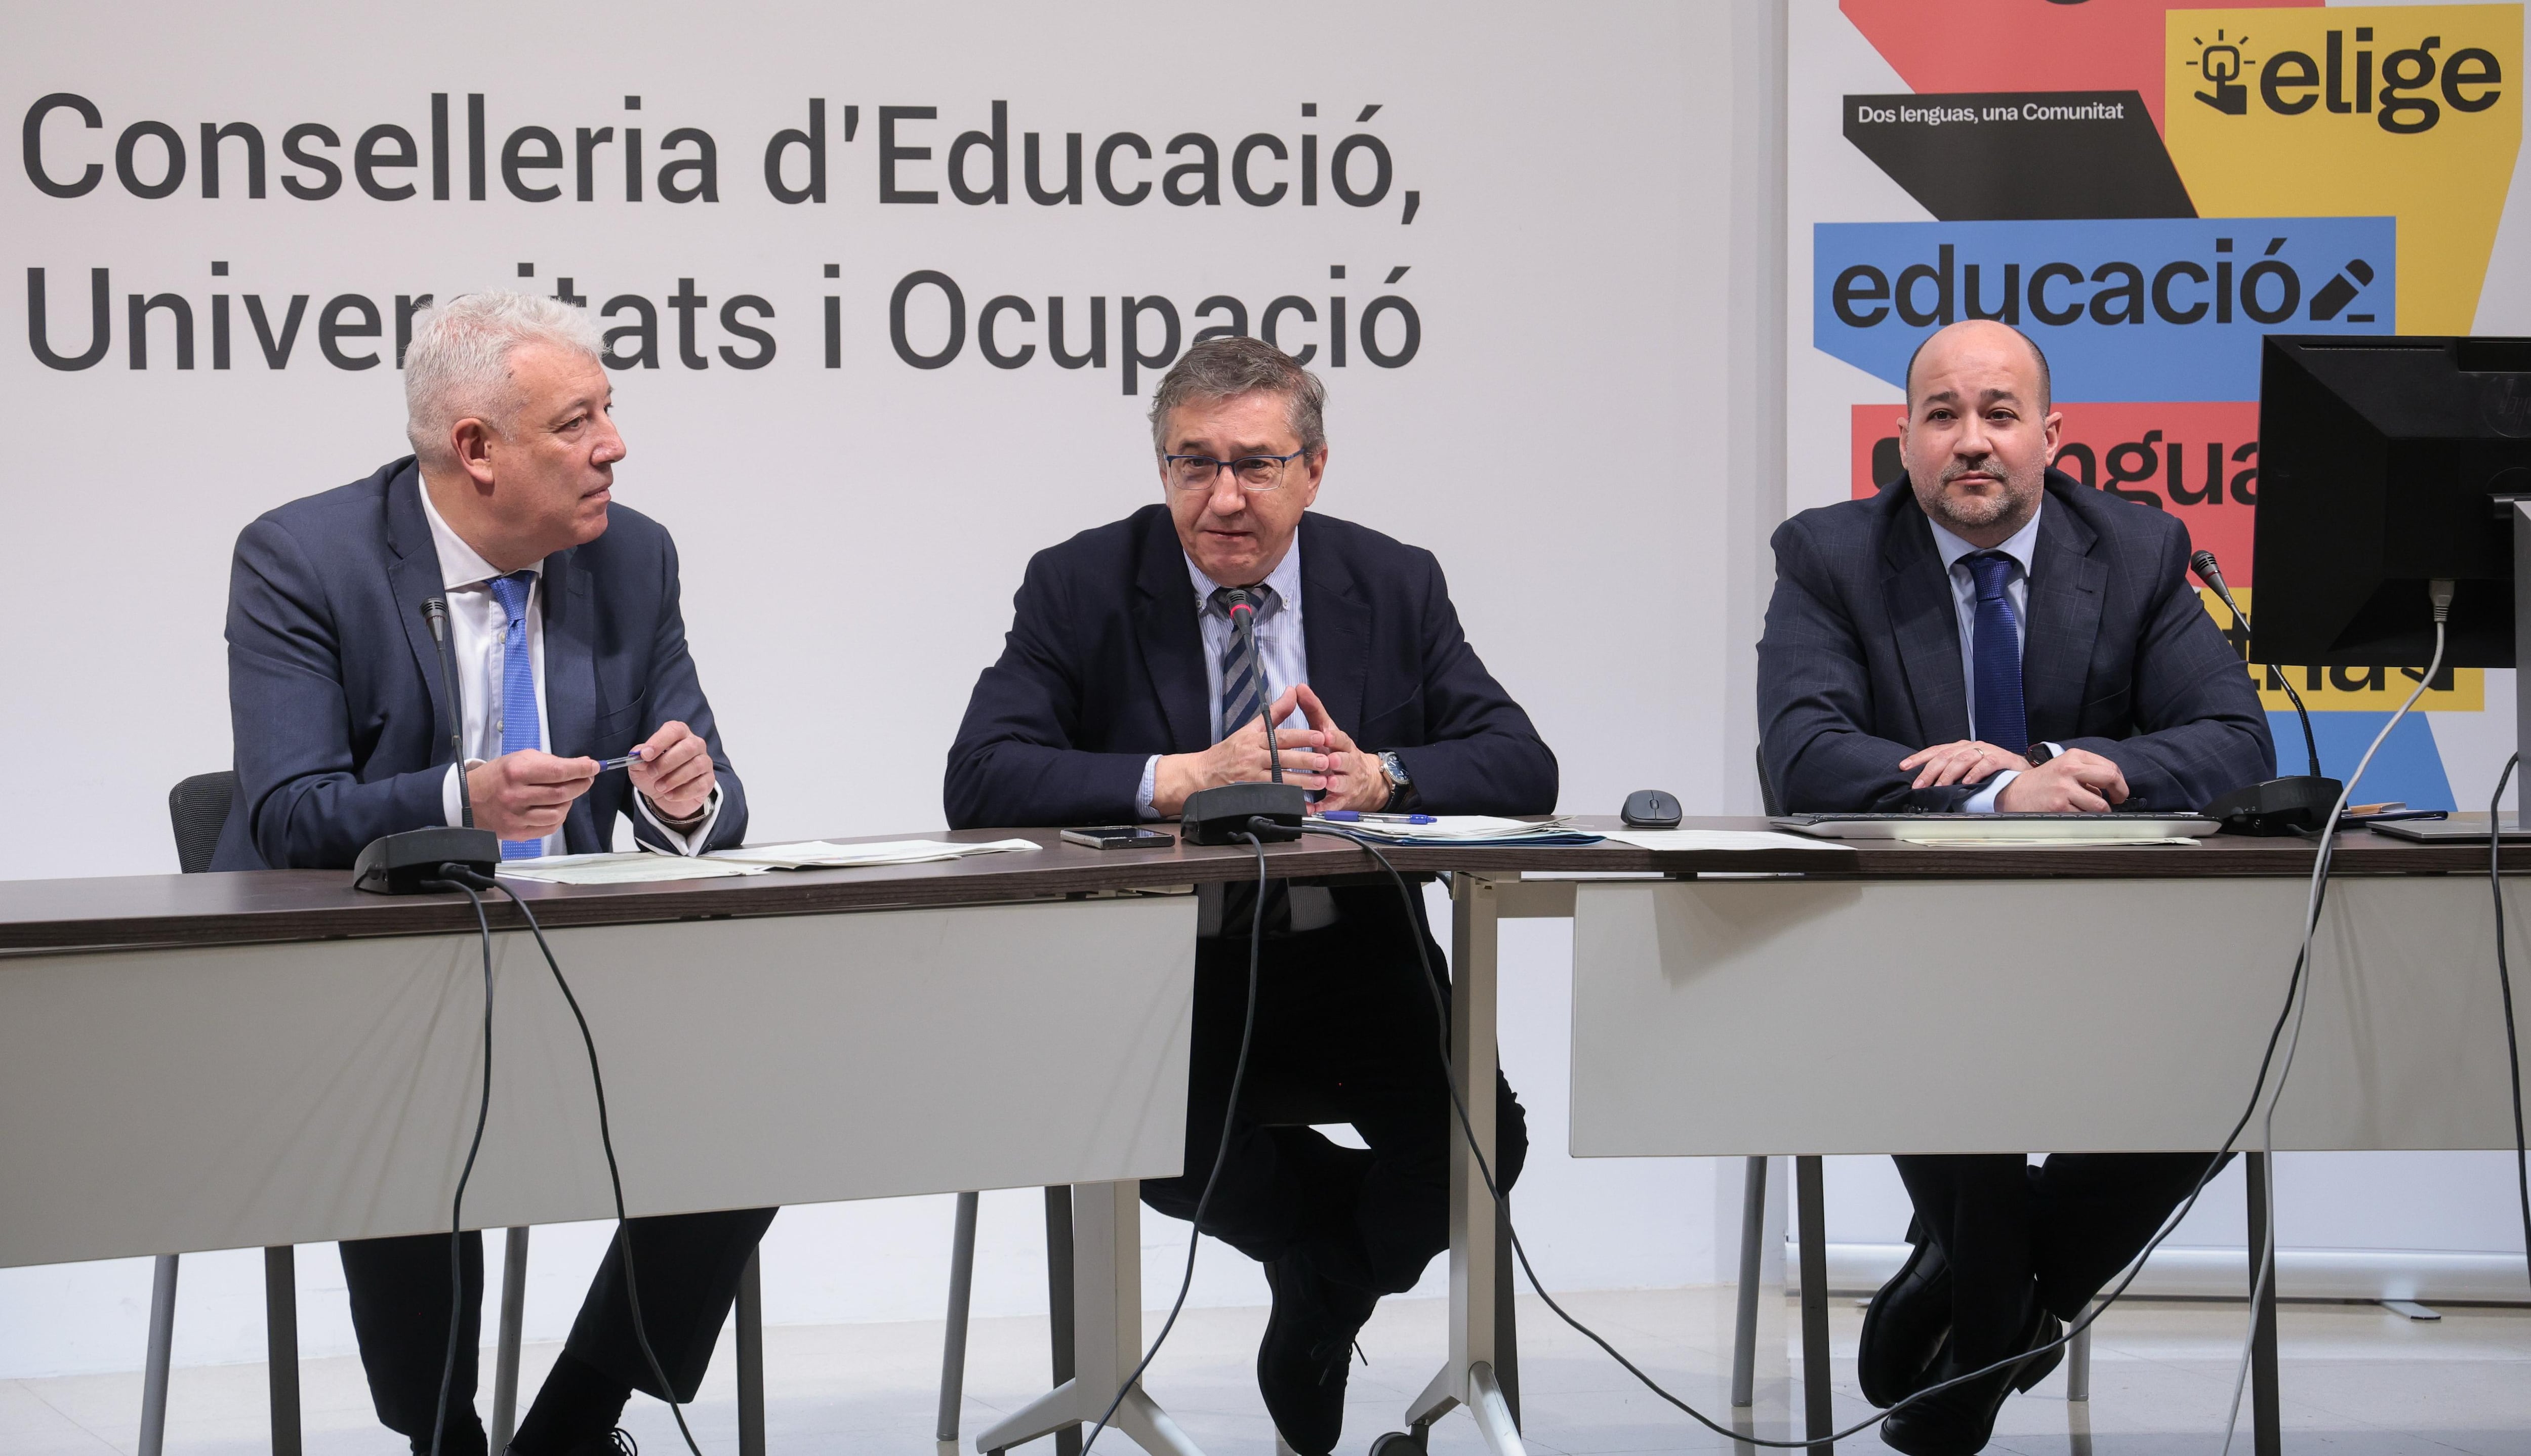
(1283, 652)
(2021, 546)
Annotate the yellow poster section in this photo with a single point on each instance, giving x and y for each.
(2458, 690)
(2406, 111)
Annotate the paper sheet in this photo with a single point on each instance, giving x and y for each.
(621, 870)
(1472, 828)
(826, 854)
(1715, 839)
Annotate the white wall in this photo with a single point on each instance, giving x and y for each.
(851, 536)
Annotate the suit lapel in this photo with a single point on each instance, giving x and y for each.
(1927, 624)
(2065, 595)
(571, 656)
(1335, 627)
(1172, 644)
(414, 576)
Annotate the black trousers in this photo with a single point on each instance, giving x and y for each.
(2067, 1226)
(1346, 1031)
(688, 1268)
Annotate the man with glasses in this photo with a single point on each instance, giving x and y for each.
(1121, 690)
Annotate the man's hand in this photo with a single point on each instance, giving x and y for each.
(2072, 782)
(525, 795)
(1353, 778)
(674, 772)
(1967, 761)
(1242, 758)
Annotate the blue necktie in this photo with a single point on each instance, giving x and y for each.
(1996, 653)
(1243, 680)
(517, 723)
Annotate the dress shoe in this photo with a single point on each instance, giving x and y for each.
(1904, 1329)
(1958, 1421)
(615, 1442)
(1302, 1364)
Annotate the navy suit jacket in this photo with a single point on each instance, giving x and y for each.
(340, 723)
(1860, 664)
(1104, 667)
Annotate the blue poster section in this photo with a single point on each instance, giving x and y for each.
(2408, 768)
(2132, 309)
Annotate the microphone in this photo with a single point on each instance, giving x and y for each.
(1243, 629)
(2297, 805)
(1227, 815)
(420, 861)
(436, 612)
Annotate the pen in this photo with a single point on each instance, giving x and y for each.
(634, 756)
(1355, 816)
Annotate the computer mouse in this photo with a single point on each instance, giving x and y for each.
(1651, 809)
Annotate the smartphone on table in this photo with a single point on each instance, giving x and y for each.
(1119, 836)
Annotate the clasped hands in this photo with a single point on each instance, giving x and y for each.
(2076, 781)
(526, 795)
(1320, 756)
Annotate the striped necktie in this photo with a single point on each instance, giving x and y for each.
(1996, 651)
(516, 722)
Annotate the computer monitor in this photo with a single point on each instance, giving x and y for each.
(2384, 464)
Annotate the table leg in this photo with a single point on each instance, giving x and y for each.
(281, 1346)
(1819, 1414)
(505, 1356)
(162, 1342)
(953, 1345)
(1506, 1315)
(1753, 1249)
(751, 1357)
(1471, 1379)
(2264, 1426)
(2078, 1358)
(1108, 1333)
(1058, 1302)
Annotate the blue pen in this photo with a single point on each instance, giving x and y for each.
(634, 756)
(1355, 816)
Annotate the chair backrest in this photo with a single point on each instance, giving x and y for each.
(198, 806)
(1766, 788)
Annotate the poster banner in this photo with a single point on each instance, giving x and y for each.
(2148, 190)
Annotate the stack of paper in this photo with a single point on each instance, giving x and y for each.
(826, 853)
(1715, 839)
(1464, 829)
(814, 854)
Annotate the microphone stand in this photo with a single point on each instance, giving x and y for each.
(413, 862)
(2295, 804)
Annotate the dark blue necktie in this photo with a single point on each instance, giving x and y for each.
(1995, 650)
(516, 722)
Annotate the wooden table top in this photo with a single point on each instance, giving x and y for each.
(300, 904)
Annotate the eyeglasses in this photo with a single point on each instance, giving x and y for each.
(1255, 474)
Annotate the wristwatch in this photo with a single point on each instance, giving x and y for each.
(1399, 784)
(2037, 754)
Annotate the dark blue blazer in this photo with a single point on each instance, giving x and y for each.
(1104, 667)
(1860, 664)
(340, 723)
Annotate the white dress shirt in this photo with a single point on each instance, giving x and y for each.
(2022, 546)
(477, 632)
(1283, 656)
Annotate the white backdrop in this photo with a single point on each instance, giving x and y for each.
(1565, 437)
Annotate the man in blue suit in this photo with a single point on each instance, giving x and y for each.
(1988, 635)
(568, 647)
(1121, 690)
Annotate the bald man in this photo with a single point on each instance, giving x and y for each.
(1986, 635)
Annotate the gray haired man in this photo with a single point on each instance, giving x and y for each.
(570, 647)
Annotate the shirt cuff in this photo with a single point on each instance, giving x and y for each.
(1150, 789)
(1982, 801)
(690, 842)
(451, 799)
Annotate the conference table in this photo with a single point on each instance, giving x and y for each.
(228, 1061)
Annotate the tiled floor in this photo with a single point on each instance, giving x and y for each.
(2357, 1380)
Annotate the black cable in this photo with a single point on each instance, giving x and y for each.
(2505, 980)
(457, 1206)
(2213, 1165)
(1221, 1152)
(605, 1138)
